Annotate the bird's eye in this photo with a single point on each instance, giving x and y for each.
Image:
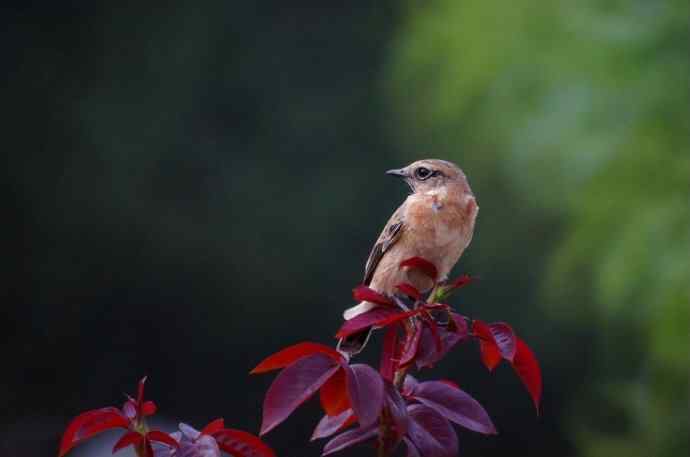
(422, 173)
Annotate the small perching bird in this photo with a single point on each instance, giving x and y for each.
(435, 222)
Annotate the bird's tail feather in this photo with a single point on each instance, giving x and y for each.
(356, 310)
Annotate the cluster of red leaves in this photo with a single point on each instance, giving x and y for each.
(389, 405)
(188, 442)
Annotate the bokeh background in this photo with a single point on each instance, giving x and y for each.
(191, 186)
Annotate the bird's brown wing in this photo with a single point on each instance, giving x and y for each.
(390, 234)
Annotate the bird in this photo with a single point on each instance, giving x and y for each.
(435, 222)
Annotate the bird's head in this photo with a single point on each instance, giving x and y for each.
(432, 175)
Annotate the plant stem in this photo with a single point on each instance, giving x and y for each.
(399, 376)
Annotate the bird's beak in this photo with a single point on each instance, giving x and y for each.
(400, 172)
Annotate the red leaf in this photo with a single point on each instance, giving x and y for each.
(148, 408)
(389, 354)
(89, 424)
(527, 368)
(455, 405)
(349, 438)
(212, 427)
(293, 386)
(374, 318)
(333, 394)
(329, 425)
(162, 437)
(409, 290)
(505, 339)
(291, 354)
(127, 439)
(365, 389)
(434, 332)
(364, 293)
(241, 444)
(411, 346)
(421, 264)
(491, 354)
(140, 391)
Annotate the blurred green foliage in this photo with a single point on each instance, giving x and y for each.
(572, 119)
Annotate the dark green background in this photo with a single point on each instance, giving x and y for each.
(189, 188)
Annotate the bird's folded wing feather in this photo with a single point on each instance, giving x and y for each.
(390, 234)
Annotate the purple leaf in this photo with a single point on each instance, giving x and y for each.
(455, 405)
(450, 335)
(431, 433)
(411, 448)
(293, 386)
(505, 339)
(350, 438)
(409, 384)
(398, 410)
(365, 387)
(328, 425)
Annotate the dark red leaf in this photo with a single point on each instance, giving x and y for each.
(89, 424)
(241, 444)
(127, 439)
(412, 450)
(431, 433)
(505, 339)
(162, 437)
(450, 383)
(212, 427)
(376, 317)
(140, 393)
(409, 290)
(491, 354)
(365, 388)
(455, 405)
(349, 438)
(399, 317)
(411, 346)
(421, 264)
(527, 368)
(433, 328)
(149, 449)
(293, 386)
(459, 282)
(364, 293)
(389, 354)
(333, 394)
(329, 425)
(148, 408)
(291, 354)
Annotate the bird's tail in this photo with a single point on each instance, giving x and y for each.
(354, 343)
(356, 310)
